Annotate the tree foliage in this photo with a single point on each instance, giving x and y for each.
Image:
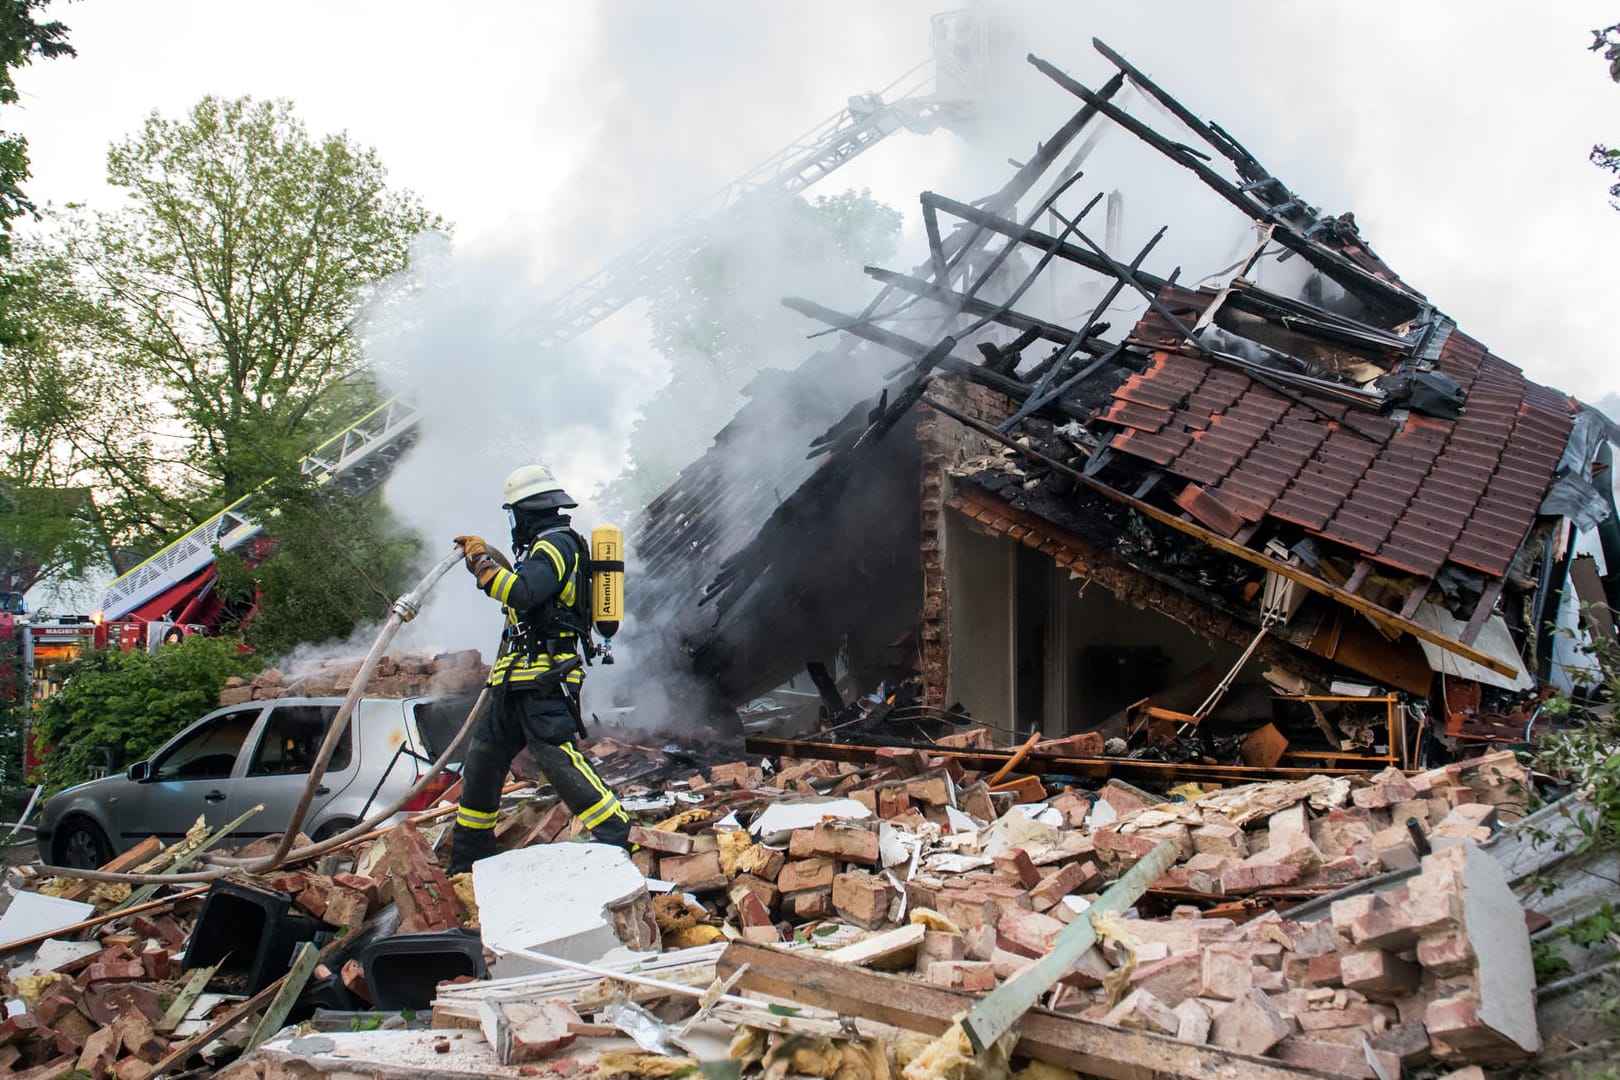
(206, 329)
(720, 321)
(49, 374)
(22, 38)
(116, 707)
(338, 564)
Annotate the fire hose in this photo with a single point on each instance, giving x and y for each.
(404, 610)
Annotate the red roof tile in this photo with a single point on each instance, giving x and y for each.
(1410, 491)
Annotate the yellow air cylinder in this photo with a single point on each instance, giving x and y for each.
(607, 582)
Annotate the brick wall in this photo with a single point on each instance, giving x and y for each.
(944, 442)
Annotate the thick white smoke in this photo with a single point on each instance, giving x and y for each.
(446, 335)
(680, 99)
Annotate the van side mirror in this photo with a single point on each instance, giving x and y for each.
(140, 771)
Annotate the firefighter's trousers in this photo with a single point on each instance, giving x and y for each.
(541, 720)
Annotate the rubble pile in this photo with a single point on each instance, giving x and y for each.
(914, 868)
(992, 891)
(396, 676)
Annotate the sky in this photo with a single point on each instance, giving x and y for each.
(554, 135)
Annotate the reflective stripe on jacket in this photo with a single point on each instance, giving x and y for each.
(550, 571)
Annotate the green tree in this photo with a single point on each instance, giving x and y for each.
(721, 321)
(116, 707)
(220, 304)
(338, 564)
(22, 38)
(52, 390)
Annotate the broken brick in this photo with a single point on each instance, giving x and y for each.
(1380, 975)
(862, 898)
(1250, 1025)
(806, 874)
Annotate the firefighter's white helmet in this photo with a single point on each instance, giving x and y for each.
(537, 487)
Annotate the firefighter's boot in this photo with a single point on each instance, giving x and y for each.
(468, 845)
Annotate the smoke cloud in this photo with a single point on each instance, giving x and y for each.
(674, 100)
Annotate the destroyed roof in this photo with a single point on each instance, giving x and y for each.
(1412, 492)
(1349, 439)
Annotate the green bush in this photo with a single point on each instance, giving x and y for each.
(117, 707)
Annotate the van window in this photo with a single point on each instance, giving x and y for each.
(209, 753)
(292, 738)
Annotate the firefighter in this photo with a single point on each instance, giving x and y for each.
(536, 678)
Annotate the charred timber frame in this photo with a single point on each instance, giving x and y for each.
(950, 252)
(1373, 290)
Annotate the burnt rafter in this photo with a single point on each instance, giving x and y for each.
(1391, 297)
(971, 305)
(1250, 299)
(928, 357)
(1372, 454)
(1290, 384)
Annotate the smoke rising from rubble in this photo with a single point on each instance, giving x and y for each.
(451, 331)
(664, 121)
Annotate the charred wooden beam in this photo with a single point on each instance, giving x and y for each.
(1228, 147)
(1007, 384)
(831, 699)
(987, 219)
(1049, 151)
(1048, 205)
(1367, 286)
(972, 305)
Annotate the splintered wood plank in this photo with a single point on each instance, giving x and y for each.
(999, 1013)
(292, 984)
(1415, 598)
(1082, 1045)
(879, 947)
(1482, 611)
(144, 851)
(189, 993)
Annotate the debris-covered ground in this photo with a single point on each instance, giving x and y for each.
(820, 918)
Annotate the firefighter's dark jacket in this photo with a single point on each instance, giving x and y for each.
(547, 578)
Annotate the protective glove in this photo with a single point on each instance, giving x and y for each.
(482, 560)
(483, 569)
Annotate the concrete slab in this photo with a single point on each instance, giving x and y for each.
(554, 899)
(1494, 922)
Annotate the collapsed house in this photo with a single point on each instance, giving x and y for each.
(1317, 528)
(1158, 549)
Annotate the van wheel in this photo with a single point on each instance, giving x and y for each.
(81, 844)
(333, 827)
